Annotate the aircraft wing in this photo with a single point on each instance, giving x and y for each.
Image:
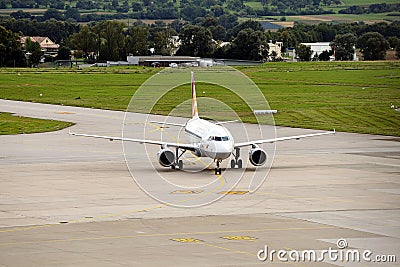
(141, 141)
(273, 140)
(225, 122)
(168, 123)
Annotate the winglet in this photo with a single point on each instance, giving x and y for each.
(195, 113)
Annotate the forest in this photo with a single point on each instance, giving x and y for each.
(114, 40)
(95, 30)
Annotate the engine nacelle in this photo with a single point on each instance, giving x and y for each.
(166, 157)
(257, 156)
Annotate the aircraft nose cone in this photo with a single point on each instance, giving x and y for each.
(224, 150)
(219, 150)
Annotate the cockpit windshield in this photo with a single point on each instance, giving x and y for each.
(218, 138)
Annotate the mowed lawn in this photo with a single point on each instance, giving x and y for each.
(352, 97)
(10, 124)
(347, 96)
(106, 88)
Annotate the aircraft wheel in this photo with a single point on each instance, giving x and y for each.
(233, 163)
(180, 165)
(240, 163)
(216, 171)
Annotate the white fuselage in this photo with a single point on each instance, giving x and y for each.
(213, 141)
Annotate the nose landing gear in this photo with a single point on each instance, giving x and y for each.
(218, 170)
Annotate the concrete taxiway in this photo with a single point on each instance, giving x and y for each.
(71, 201)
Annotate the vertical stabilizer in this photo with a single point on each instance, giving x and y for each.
(195, 113)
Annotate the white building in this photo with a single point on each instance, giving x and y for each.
(275, 47)
(174, 44)
(318, 48)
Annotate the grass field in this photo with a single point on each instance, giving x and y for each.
(106, 88)
(315, 19)
(352, 97)
(368, 18)
(348, 96)
(256, 5)
(10, 124)
(368, 2)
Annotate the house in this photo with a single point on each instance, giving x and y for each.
(275, 48)
(49, 48)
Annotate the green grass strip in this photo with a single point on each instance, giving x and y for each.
(10, 124)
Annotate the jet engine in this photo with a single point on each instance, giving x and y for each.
(257, 156)
(166, 157)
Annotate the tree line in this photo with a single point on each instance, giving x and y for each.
(222, 37)
(373, 8)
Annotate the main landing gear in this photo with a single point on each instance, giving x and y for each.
(178, 162)
(236, 162)
(218, 170)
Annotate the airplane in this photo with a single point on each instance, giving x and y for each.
(207, 139)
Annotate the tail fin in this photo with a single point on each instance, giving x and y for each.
(195, 113)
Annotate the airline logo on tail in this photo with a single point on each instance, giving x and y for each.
(195, 113)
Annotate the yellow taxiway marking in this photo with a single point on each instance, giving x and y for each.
(233, 192)
(26, 228)
(155, 130)
(186, 240)
(64, 112)
(201, 242)
(222, 183)
(169, 234)
(187, 192)
(240, 237)
(222, 180)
